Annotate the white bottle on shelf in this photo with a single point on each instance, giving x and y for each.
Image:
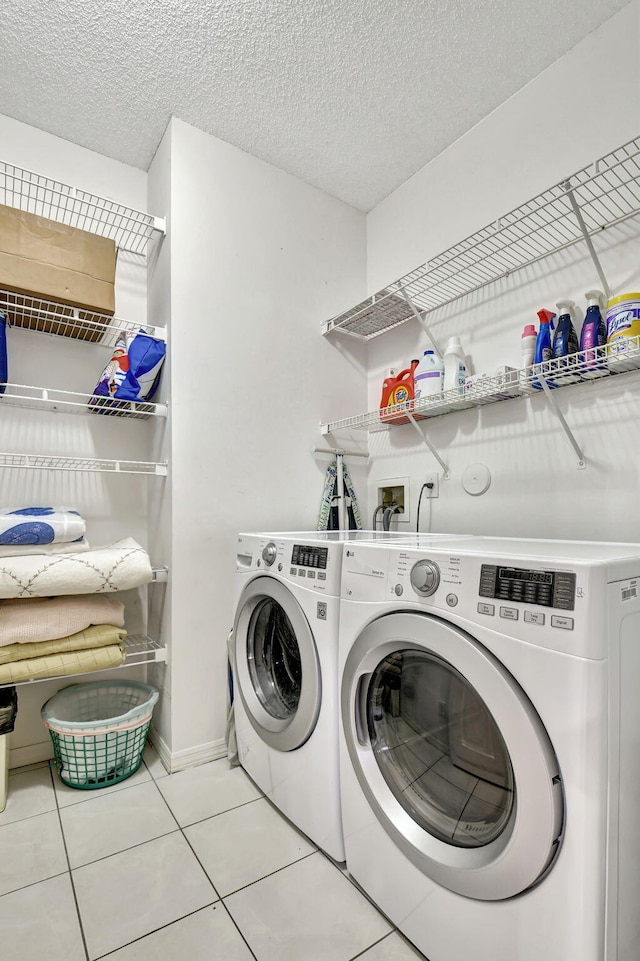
(528, 345)
(455, 367)
(427, 376)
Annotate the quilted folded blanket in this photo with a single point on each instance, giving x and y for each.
(32, 619)
(52, 665)
(100, 570)
(75, 547)
(100, 635)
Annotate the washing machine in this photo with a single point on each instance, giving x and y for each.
(490, 744)
(284, 653)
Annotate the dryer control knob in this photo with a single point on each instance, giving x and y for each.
(425, 577)
(269, 554)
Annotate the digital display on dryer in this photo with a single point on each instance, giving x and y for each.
(305, 556)
(555, 589)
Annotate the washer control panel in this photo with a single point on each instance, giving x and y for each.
(555, 589)
(306, 556)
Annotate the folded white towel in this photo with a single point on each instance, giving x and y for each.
(100, 570)
(17, 550)
(40, 525)
(33, 619)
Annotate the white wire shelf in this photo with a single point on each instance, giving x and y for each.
(584, 367)
(139, 649)
(603, 194)
(62, 320)
(72, 402)
(36, 194)
(54, 462)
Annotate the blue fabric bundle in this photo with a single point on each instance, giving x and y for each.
(40, 525)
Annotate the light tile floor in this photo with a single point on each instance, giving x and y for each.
(195, 866)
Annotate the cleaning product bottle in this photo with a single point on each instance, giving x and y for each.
(528, 345)
(593, 334)
(543, 344)
(565, 344)
(454, 367)
(428, 375)
(397, 389)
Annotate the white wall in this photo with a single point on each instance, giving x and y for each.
(580, 108)
(114, 506)
(258, 260)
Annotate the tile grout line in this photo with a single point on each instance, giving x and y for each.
(155, 931)
(71, 881)
(220, 899)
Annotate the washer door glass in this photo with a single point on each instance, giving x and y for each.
(274, 660)
(451, 756)
(439, 749)
(276, 663)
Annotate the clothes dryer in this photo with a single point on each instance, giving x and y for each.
(490, 744)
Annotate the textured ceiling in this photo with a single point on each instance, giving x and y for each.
(353, 96)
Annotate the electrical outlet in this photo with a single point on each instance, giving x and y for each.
(432, 491)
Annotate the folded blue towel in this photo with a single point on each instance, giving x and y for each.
(40, 525)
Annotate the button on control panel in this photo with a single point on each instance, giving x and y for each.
(486, 609)
(511, 613)
(566, 623)
(532, 617)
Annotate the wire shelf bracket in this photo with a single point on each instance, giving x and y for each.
(422, 320)
(582, 463)
(425, 440)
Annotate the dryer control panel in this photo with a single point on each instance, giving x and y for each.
(555, 589)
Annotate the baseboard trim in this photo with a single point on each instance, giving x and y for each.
(30, 754)
(192, 756)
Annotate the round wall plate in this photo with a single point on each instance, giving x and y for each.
(476, 479)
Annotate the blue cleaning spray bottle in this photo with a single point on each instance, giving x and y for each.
(543, 344)
(565, 344)
(593, 334)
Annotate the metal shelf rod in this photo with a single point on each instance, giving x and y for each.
(563, 423)
(588, 241)
(426, 441)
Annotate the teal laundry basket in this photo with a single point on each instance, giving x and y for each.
(99, 731)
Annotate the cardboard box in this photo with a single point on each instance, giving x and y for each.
(48, 260)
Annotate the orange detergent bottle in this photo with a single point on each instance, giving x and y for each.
(397, 389)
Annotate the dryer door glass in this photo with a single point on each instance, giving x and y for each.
(273, 656)
(439, 749)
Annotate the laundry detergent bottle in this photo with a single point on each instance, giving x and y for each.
(543, 344)
(565, 344)
(428, 375)
(397, 390)
(593, 334)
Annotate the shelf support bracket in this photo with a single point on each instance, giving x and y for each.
(421, 321)
(582, 463)
(587, 238)
(425, 440)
